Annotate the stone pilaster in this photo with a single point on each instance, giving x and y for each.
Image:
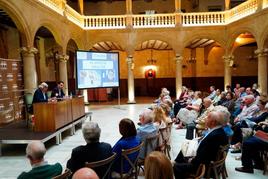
(262, 69)
(178, 60)
(228, 59)
(29, 68)
(63, 70)
(131, 87)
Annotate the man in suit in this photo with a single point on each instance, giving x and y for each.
(91, 152)
(35, 152)
(58, 91)
(207, 149)
(40, 95)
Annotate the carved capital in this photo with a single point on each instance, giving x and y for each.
(178, 58)
(62, 58)
(130, 59)
(262, 52)
(28, 50)
(228, 58)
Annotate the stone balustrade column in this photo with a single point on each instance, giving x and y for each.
(178, 60)
(262, 69)
(227, 4)
(131, 87)
(177, 5)
(227, 70)
(63, 71)
(29, 68)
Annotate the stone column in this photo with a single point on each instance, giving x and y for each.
(178, 60)
(128, 6)
(227, 5)
(29, 68)
(63, 71)
(262, 69)
(227, 70)
(177, 5)
(81, 6)
(130, 81)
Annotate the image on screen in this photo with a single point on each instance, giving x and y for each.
(97, 69)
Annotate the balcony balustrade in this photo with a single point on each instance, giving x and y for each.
(155, 20)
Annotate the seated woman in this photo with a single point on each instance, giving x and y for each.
(158, 166)
(188, 114)
(128, 140)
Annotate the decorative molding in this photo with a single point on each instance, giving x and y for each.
(62, 58)
(262, 52)
(28, 50)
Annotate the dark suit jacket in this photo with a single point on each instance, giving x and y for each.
(209, 147)
(42, 172)
(39, 97)
(57, 91)
(91, 152)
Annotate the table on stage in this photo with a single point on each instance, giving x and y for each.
(51, 116)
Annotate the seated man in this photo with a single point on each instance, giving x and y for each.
(85, 173)
(40, 95)
(200, 122)
(58, 91)
(146, 129)
(207, 149)
(35, 152)
(93, 151)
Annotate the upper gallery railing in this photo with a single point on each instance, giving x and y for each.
(155, 20)
(104, 22)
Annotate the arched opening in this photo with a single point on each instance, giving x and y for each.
(71, 49)
(11, 70)
(243, 50)
(47, 64)
(202, 64)
(154, 68)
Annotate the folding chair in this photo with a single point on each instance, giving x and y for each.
(64, 175)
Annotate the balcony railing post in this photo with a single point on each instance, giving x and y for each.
(129, 21)
(178, 21)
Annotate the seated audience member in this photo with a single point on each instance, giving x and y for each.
(226, 118)
(228, 89)
(40, 95)
(249, 91)
(159, 117)
(169, 108)
(223, 98)
(200, 122)
(217, 97)
(158, 166)
(190, 113)
(166, 110)
(251, 153)
(85, 173)
(91, 152)
(128, 140)
(212, 94)
(164, 95)
(58, 90)
(146, 129)
(229, 103)
(236, 89)
(207, 149)
(35, 152)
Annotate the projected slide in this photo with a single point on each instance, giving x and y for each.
(97, 69)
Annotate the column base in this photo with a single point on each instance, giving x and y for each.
(131, 102)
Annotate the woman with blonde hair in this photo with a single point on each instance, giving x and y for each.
(159, 117)
(158, 166)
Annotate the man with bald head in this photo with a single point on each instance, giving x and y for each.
(35, 152)
(207, 149)
(146, 129)
(85, 173)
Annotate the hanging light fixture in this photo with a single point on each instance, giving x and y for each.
(151, 60)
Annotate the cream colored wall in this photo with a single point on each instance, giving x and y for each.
(203, 4)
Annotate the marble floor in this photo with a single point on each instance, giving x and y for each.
(13, 161)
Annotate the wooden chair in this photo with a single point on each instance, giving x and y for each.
(150, 144)
(165, 137)
(264, 155)
(64, 175)
(28, 97)
(199, 173)
(221, 151)
(216, 168)
(133, 171)
(109, 161)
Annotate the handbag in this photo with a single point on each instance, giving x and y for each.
(189, 147)
(262, 135)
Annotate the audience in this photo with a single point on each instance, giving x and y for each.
(200, 122)
(212, 94)
(92, 151)
(217, 97)
(146, 129)
(190, 113)
(35, 152)
(159, 117)
(158, 166)
(207, 148)
(85, 173)
(128, 140)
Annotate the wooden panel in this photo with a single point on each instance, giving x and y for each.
(51, 116)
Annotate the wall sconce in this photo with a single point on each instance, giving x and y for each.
(150, 73)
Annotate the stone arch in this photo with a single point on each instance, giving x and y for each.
(264, 38)
(111, 38)
(52, 29)
(73, 42)
(221, 41)
(236, 33)
(20, 21)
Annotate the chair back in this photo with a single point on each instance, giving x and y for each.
(49, 94)
(151, 143)
(64, 175)
(108, 161)
(133, 164)
(164, 140)
(217, 167)
(28, 99)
